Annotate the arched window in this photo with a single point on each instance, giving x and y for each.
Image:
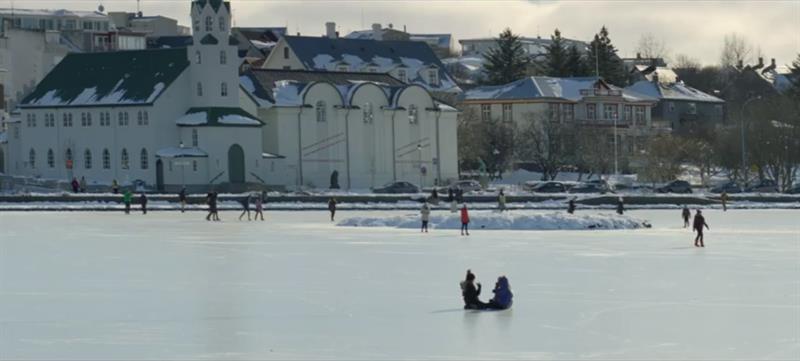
(87, 159)
(321, 117)
(106, 159)
(124, 160)
(368, 115)
(209, 24)
(32, 158)
(223, 89)
(199, 89)
(195, 138)
(223, 57)
(221, 23)
(198, 59)
(412, 114)
(51, 159)
(68, 158)
(144, 161)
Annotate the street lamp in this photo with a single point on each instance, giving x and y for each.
(183, 168)
(419, 153)
(744, 159)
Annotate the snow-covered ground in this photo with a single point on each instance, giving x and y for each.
(172, 286)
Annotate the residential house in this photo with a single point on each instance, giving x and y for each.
(681, 106)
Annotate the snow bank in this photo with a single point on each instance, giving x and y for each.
(505, 221)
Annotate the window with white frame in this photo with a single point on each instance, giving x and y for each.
(554, 112)
(591, 111)
(368, 115)
(222, 23)
(83, 119)
(640, 115)
(610, 111)
(486, 112)
(67, 120)
(223, 89)
(433, 77)
(195, 138)
(32, 158)
(508, 114)
(106, 159)
(568, 112)
(628, 117)
(209, 24)
(144, 161)
(139, 118)
(124, 160)
(320, 107)
(413, 116)
(402, 75)
(51, 158)
(87, 159)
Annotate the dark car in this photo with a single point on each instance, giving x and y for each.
(397, 187)
(676, 186)
(588, 188)
(764, 186)
(795, 189)
(729, 187)
(549, 187)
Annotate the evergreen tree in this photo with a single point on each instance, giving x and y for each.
(556, 57)
(603, 57)
(575, 64)
(794, 77)
(506, 62)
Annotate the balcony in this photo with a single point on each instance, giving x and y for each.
(601, 92)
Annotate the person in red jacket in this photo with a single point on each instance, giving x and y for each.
(464, 220)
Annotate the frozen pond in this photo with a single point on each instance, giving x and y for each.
(173, 286)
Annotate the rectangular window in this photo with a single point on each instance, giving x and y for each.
(610, 111)
(568, 112)
(486, 112)
(433, 77)
(628, 114)
(508, 114)
(640, 116)
(401, 75)
(692, 108)
(554, 112)
(83, 119)
(591, 111)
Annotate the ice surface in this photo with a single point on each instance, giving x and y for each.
(173, 286)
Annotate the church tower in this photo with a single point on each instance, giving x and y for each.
(214, 61)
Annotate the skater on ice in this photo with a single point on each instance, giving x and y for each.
(620, 206)
(686, 214)
(211, 199)
(114, 186)
(245, 201)
(126, 199)
(571, 206)
(182, 199)
(464, 220)
(503, 298)
(425, 214)
(501, 201)
(724, 198)
(332, 207)
(75, 185)
(143, 202)
(259, 207)
(470, 292)
(434, 196)
(699, 223)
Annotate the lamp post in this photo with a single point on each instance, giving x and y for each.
(616, 162)
(744, 159)
(183, 169)
(419, 154)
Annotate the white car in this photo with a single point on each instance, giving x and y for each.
(466, 185)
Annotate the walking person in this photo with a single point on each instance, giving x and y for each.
(212, 206)
(245, 201)
(332, 207)
(259, 207)
(182, 199)
(501, 201)
(215, 205)
(699, 223)
(83, 184)
(620, 206)
(686, 214)
(571, 206)
(126, 199)
(464, 220)
(143, 202)
(114, 186)
(724, 198)
(425, 212)
(75, 185)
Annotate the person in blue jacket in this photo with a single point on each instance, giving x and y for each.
(503, 298)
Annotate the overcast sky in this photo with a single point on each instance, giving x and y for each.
(695, 28)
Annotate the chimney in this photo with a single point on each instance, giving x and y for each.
(760, 63)
(377, 33)
(330, 30)
(740, 64)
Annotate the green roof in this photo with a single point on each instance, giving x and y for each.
(218, 117)
(133, 77)
(209, 40)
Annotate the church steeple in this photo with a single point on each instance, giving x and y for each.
(215, 61)
(211, 17)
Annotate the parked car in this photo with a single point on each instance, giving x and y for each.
(397, 187)
(764, 186)
(466, 185)
(549, 187)
(729, 187)
(795, 189)
(676, 186)
(588, 188)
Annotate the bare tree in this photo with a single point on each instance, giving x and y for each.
(663, 160)
(488, 142)
(650, 46)
(683, 61)
(735, 49)
(542, 142)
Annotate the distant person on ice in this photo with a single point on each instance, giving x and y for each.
(464, 220)
(724, 198)
(259, 207)
(470, 292)
(75, 185)
(211, 199)
(620, 206)
(425, 213)
(182, 199)
(503, 298)
(332, 207)
(245, 201)
(699, 223)
(453, 206)
(686, 214)
(501, 201)
(114, 186)
(126, 199)
(143, 202)
(571, 206)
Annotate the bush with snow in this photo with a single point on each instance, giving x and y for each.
(505, 221)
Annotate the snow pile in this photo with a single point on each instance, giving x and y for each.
(236, 119)
(197, 118)
(505, 221)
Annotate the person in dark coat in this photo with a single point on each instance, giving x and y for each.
(335, 179)
(332, 207)
(245, 201)
(143, 202)
(620, 206)
(434, 196)
(503, 298)
(449, 195)
(114, 186)
(686, 214)
(470, 291)
(215, 205)
(75, 185)
(259, 207)
(211, 205)
(182, 199)
(571, 206)
(699, 223)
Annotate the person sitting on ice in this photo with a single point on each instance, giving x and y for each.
(503, 298)
(470, 291)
